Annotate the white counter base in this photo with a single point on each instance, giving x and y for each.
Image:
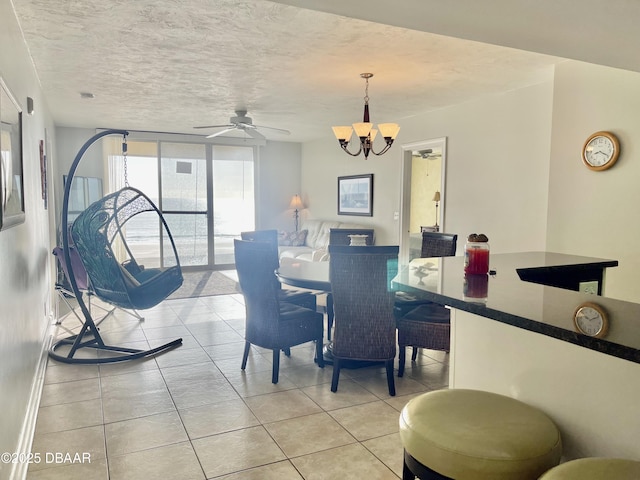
(593, 398)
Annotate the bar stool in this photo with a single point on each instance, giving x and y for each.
(595, 469)
(474, 435)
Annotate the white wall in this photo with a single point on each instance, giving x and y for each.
(498, 151)
(25, 252)
(278, 181)
(594, 213)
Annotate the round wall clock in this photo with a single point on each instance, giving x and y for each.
(600, 151)
(591, 319)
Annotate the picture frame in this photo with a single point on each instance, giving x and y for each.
(355, 195)
(12, 211)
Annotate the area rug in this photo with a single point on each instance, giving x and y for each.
(202, 284)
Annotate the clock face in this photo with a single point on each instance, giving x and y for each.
(600, 151)
(590, 320)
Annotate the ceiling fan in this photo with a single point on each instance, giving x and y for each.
(244, 123)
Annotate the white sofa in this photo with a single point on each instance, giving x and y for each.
(316, 242)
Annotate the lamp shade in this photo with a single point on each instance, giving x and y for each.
(343, 133)
(436, 197)
(296, 203)
(362, 129)
(389, 130)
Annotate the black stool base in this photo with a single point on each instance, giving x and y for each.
(413, 468)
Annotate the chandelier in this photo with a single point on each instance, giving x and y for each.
(365, 131)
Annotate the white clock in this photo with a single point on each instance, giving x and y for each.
(601, 151)
(591, 319)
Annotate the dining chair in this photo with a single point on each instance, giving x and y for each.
(421, 323)
(297, 297)
(365, 328)
(271, 323)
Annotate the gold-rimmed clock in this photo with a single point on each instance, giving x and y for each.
(591, 319)
(601, 151)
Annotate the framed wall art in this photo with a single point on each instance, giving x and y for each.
(355, 195)
(11, 172)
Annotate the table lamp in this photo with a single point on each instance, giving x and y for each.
(297, 205)
(436, 198)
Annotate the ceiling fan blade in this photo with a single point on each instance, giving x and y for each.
(221, 132)
(215, 126)
(278, 130)
(252, 132)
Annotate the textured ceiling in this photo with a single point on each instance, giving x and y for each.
(169, 65)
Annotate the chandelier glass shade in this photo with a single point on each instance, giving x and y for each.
(364, 130)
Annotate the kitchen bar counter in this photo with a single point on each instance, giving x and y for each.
(517, 338)
(546, 310)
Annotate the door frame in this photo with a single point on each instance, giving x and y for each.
(405, 189)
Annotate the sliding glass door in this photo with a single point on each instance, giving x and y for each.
(205, 193)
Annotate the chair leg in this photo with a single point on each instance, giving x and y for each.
(402, 354)
(329, 315)
(336, 375)
(390, 381)
(414, 354)
(287, 351)
(319, 353)
(245, 355)
(276, 365)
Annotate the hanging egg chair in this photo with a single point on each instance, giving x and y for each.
(116, 277)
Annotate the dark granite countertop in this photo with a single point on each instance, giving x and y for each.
(537, 308)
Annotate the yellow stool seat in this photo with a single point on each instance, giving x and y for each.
(475, 435)
(595, 469)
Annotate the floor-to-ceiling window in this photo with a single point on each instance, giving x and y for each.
(204, 191)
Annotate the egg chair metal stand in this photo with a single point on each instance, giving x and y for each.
(125, 284)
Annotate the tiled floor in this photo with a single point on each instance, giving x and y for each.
(191, 413)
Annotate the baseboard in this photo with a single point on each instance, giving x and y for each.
(25, 441)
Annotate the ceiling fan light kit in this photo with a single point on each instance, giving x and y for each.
(364, 130)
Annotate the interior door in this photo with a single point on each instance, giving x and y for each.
(422, 193)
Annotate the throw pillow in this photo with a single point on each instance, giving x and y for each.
(292, 239)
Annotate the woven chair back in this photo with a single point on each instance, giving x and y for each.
(363, 301)
(438, 244)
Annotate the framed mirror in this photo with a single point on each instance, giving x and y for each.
(11, 174)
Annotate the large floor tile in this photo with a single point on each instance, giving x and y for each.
(350, 462)
(69, 416)
(132, 384)
(182, 356)
(217, 418)
(349, 393)
(144, 433)
(377, 384)
(259, 383)
(273, 407)
(89, 440)
(117, 409)
(275, 471)
(369, 420)
(388, 449)
(311, 433)
(177, 462)
(66, 372)
(67, 392)
(94, 470)
(228, 452)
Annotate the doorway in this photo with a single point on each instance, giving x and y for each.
(422, 193)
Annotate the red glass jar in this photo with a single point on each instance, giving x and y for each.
(476, 255)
